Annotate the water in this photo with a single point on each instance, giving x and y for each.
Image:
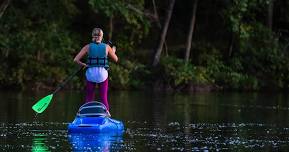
(153, 121)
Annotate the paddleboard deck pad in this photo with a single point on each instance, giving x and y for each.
(92, 117)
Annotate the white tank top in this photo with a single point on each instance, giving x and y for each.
(96, 74)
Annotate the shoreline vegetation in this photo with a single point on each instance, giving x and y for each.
(218, 46)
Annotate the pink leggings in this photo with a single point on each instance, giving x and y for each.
(102, 88)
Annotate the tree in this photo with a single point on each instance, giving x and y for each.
(270, 14)
(3, 7)
(157, 19)
(164, 33)
(191, 31)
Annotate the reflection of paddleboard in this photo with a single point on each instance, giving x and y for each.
(95, 142)
(92, 117)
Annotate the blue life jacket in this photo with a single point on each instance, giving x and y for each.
(97, 55)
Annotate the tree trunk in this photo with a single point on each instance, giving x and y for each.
(3, 7)
(156, 15)
(231, 45)
(270, 14)
(191, 31)
(110, 28)
(159, 24)
(163, 34)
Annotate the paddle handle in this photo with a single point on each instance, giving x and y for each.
(60, 86)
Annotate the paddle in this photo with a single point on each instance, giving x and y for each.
(43, 103)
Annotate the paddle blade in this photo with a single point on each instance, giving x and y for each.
(42, 104)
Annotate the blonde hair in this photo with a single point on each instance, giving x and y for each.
(97, 34)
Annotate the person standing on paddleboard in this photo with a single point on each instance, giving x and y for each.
(97, 66)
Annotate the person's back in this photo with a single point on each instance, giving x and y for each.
(97, 65)
(97, 56)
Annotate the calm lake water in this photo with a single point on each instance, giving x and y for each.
(153, 122)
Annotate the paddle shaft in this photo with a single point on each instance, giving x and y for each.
(67, 79)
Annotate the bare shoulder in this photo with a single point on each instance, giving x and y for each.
(85, 47)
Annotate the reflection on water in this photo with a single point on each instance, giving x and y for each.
(143, 136)
(210, 137)
(43, 137)
(95, 142)
(154, 122)
(38, 143)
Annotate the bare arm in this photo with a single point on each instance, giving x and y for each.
(80, 55)
(111, 53)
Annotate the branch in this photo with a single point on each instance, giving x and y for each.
(3, 7)
(145, 12)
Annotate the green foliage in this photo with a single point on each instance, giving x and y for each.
(141, 76)
(259, 58)
(177, 73)
(241, 13)
(39, 38)
(262, 57)
(35, 44)
(119, 77)
(128, 13)
(128, 74)
(236, 81)
(229, 76)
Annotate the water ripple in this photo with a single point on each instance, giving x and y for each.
(173, 136)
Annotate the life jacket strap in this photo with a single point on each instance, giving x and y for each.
(96, 61)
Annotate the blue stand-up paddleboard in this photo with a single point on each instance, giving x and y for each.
(92, 117)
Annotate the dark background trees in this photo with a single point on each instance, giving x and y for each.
(224, 44)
